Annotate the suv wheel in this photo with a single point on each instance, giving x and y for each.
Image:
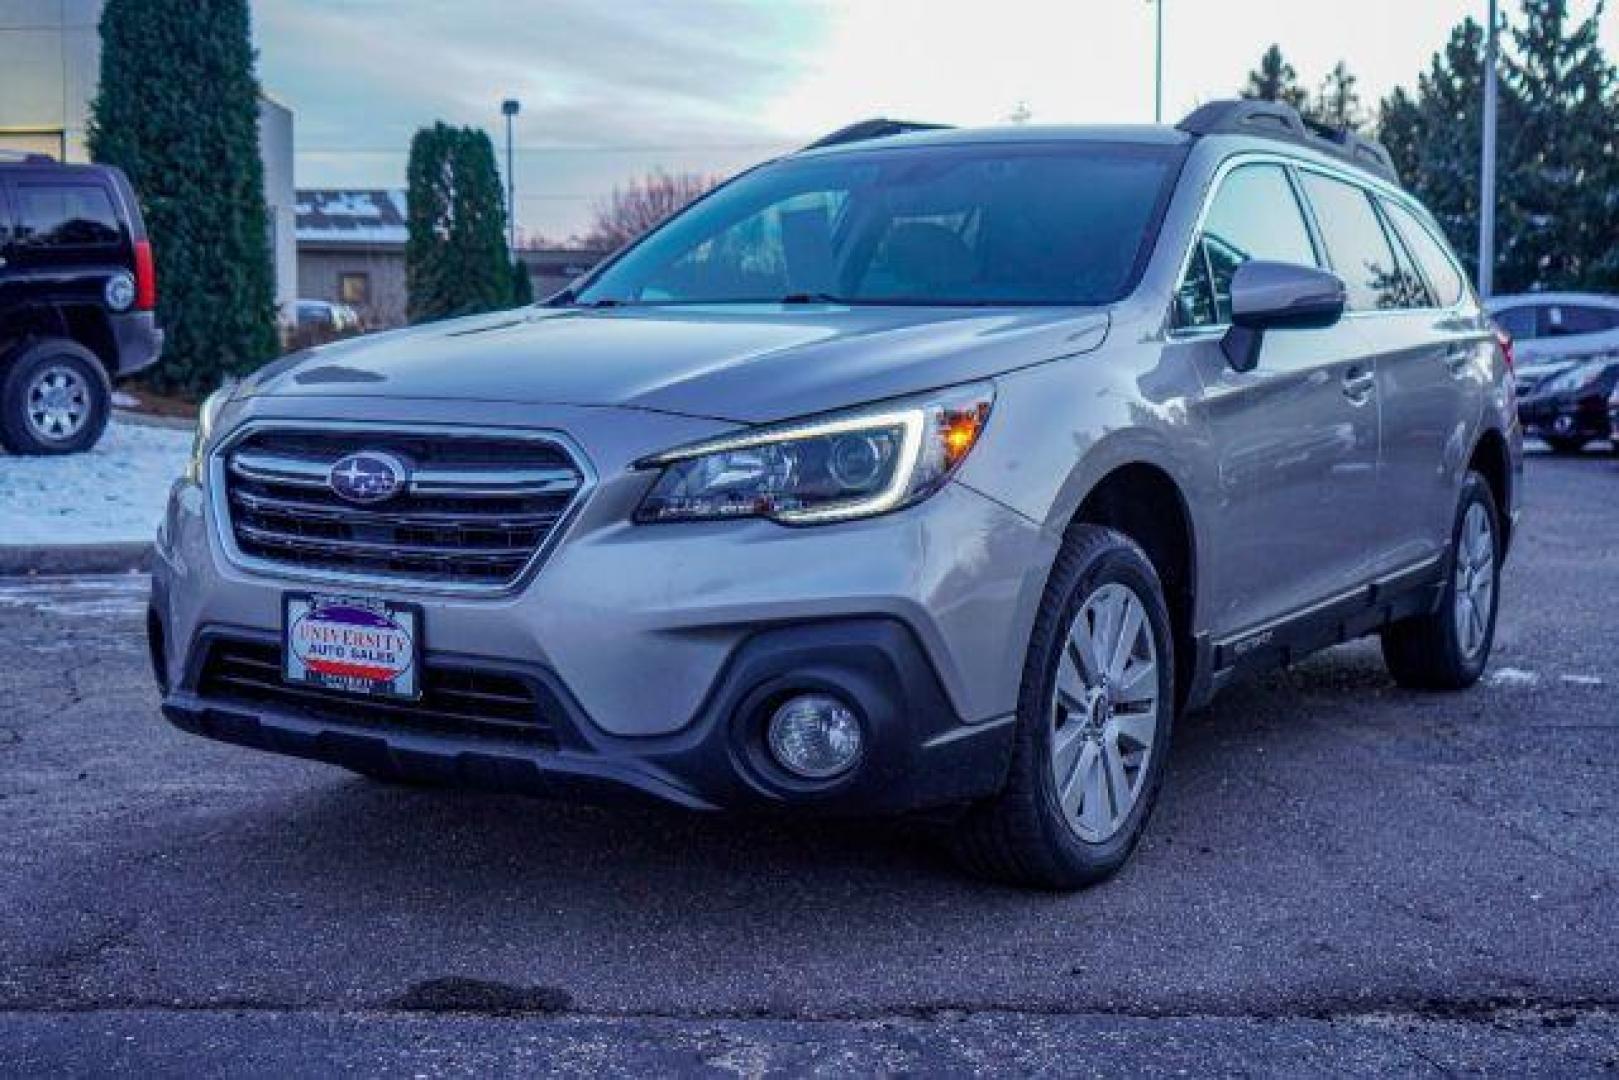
(1447, 649)
(54, 399)
(1565, 444)
(1093, 725)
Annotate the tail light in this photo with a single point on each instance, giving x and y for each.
(145, 277)
(1504, 339)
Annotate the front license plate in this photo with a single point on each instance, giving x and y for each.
(355, 644)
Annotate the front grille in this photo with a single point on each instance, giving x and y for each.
(454, 701)
(476, 509)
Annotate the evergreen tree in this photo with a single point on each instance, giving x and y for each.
(1557, 184)
(522, 284)
(1275, 80)
(1561, 179)
(1337, 103)
(455, 255)
(1434, 137)
(178, 111)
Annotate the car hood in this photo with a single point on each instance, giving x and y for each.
(748, 363)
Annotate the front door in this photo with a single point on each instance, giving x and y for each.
(1295, 439)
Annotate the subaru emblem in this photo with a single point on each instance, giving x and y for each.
(369, 476)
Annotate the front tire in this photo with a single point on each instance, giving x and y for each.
(1095, 713)
(1449, 648)
(54, 399)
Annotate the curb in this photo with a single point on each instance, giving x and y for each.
(64, 560)
(139, 419)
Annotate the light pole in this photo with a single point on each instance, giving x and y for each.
(510, 108)
(1486, 186)
(1158, 66)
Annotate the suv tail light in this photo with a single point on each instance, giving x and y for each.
(1504, 339)
(145, 277)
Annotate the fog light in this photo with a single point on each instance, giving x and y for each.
(815, 736)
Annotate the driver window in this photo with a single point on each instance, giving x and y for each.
(1255, 215)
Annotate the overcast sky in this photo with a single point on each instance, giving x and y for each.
(613, 88)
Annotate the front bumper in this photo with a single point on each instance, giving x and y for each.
(657, 651)
(1582, 415)
(918, 754)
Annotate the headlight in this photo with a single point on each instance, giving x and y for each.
(1579, 378)
(206, 415)
(813, 471)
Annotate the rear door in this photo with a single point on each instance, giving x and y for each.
(1433, 371)
(1295, 438)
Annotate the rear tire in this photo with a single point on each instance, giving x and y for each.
(1449, 648)
(1095, 713)
(55, 398)
(1565, 444)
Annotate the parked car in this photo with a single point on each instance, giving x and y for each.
(78, 295)
(1570, 409)
(919, 471)
(1553, 333)
(319, 322)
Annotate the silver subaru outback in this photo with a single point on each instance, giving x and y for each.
(923, 470)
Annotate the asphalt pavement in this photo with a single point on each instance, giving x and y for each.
(1342, 876)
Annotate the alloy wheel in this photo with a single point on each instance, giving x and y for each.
(1104, 712)
(1475, 580)
(58, 403)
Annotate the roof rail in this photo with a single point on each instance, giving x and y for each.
(25, 157)
(871, 129)
(1275, 120)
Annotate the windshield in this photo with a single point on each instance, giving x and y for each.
(980, 224)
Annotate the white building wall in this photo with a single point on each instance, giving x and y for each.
(50, 57)
(281, 200)
(50, 62)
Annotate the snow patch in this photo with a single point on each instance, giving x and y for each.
(114, 493)
(1511, 676)
(73, 598)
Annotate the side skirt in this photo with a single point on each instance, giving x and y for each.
(1289, 639)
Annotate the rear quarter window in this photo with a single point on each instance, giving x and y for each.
(65, 216)
(1446, 280)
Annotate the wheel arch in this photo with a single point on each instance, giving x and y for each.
(1143, 499)
(1492, 459)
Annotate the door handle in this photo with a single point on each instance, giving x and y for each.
(1359, 384)
(1459, 359)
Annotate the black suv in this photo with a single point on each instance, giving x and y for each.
(77, 296)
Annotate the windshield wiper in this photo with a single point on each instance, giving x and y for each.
(814, 298)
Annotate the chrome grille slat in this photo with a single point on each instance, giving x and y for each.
(264, 504)
(362, 547)
(500, 483)
(478, 510)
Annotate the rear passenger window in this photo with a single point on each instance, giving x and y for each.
(1558, 320)
(1255, 215)
(1357, 246)
(1446, 280)
(66, 215)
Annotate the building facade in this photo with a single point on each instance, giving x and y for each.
(50, 65)
(351, 250)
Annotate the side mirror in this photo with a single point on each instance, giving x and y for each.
(1277, 296)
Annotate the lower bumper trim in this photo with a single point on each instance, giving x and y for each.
(920, 755)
